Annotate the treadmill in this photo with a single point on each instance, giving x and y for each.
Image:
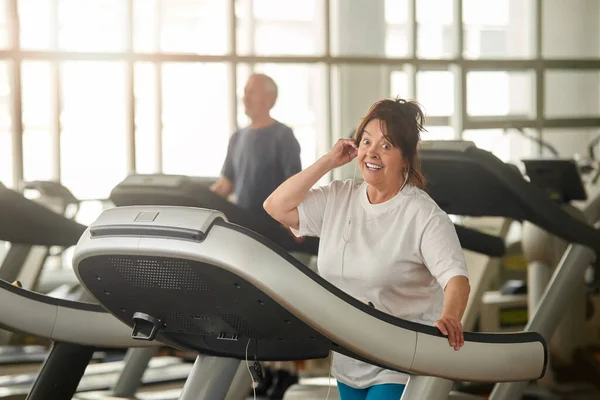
(562, 181)
(185, 191)
(465, 180)
(17, 226)
(190, 278)
(76, 329)
(191, 289)
(58, 198)
(27, 222)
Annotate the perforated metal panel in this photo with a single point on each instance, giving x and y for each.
(200, 307)
(242, 326)
(158, 273)
(180, 322)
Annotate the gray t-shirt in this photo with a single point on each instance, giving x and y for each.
(258, 161)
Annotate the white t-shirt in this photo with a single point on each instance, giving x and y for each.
(399, 255)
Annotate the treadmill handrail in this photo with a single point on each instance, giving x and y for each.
(532, 204)
(62, 320)
(480, 242)
(26, 222)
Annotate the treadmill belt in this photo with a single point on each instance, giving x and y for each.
(103, 370)
(22, 354)
(178, 372)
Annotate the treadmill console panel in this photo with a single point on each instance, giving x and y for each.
(154, 180)
(155, 221)
(452, 145)
(558, 178)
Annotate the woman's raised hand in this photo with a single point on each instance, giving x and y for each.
(343, 152)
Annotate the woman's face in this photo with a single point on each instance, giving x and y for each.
(380, 163)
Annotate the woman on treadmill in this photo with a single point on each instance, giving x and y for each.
(384, 240)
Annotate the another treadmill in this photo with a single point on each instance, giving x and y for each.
(27, 222)
(191, 279)
(465, 180)
(185, 191)
(18, 225)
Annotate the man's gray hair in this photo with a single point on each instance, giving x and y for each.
(270, 84)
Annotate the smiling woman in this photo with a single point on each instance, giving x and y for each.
(384, 241)
(387, 152)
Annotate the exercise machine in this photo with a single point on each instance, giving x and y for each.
(180, 190)
(27, 222)
(189, 278)
(184, 191)
(465, 180)
(176, 190)
(24, 259)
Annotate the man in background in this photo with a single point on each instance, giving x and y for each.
(260, 157)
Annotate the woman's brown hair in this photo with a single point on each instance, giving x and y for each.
(401, 123)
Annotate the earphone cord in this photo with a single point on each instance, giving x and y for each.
(348, 228)
(351, 201)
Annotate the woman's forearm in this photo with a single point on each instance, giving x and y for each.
(456, 296)
(291, 193)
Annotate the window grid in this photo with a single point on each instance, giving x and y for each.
(411, 65)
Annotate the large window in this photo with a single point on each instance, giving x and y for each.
(435, 92)
(6, 153)
(570, 29)
(434, 22)
(499, 28)
(109, 87)
(148, 119)
(267, 27)
(192, 26)
(39, 93)
(397, 37)
(181, 26)
(572, 93)
(91, 25)
(93, 120)
(5, 24)
(36, 24)
(501, 93)
(195, 115)
(507, 144)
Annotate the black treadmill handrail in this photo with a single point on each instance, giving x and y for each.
(522, 201)
(52, 188)
(53, 301)
(480, 242)
(24, 221)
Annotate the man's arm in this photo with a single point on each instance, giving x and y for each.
(289, 153)
(224, 185)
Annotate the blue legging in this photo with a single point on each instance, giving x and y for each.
(387, 391)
